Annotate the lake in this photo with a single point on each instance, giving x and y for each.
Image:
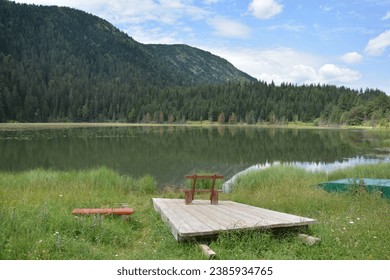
(170, 152)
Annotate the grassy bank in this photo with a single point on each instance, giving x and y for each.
(35, 219)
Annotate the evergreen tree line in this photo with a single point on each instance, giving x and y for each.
(28, 96)
(60, 64)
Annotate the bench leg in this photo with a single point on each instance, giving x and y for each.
(214, 197)
(188, 196)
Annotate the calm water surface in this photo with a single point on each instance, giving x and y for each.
(168, 153)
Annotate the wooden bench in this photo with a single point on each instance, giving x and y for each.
(189, 194)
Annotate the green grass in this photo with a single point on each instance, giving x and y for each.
(36, 220)
(351, 226)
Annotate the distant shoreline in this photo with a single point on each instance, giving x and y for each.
(60, 125)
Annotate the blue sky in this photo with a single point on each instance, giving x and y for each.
(341, 42)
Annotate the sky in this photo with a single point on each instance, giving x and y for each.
(339, 42)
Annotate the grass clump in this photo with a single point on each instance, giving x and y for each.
(36, 220)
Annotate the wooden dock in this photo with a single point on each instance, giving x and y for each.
(202, 219)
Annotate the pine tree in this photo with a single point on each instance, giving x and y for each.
(221, 118)
(233, 118)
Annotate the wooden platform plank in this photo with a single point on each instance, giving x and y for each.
(253, 217)
(212, 218)
(180, 219)
(204, 219)
(175, 229)
(237, 214)
(270, 214)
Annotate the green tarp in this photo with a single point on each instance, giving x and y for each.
(371, 185)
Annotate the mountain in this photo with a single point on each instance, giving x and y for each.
(65, 41)
(61, 64)
(203, 66)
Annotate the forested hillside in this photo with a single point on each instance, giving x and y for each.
(61, 64)
(52, 58)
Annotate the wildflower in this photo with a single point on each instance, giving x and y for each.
(351, 222)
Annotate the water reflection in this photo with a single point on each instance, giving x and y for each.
(308, 166)
(169, 153)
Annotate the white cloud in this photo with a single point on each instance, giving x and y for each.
(287, 65)
(152, 35)
(265, 9)
(379, 44)
(290, 26)
(83, 5)
(352, 58)
(332, 73)
(229, 28)
(208, 2)
(277, 65)
(165, 11)
(387, 16)
(304, 74)
(326, 8)
(133, 11)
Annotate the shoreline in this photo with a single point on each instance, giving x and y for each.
(61, 125)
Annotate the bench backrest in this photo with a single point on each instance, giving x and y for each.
(194, 177)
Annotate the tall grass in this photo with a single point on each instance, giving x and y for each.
(36, 220)
(350, 225)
